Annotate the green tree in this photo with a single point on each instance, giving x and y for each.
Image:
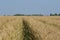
(55, 14)
(51, 14)
(58, 14)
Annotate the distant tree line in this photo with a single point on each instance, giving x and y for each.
(51, 14)
(55, 14)
(28, 15)
(18, 15)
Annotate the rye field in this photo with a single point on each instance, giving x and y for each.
(29, 28)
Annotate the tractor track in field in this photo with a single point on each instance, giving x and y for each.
(28, 28)
(44, 22)
(29, 32)
(50, 29)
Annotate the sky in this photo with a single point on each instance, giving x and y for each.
(10, 7)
